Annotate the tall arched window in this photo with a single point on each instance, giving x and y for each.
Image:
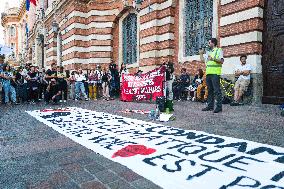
(12, 31)
(198, 17)
(129, 32)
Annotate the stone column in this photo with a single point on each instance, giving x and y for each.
(59, 53)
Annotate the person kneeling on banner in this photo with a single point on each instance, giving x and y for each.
(53, 92)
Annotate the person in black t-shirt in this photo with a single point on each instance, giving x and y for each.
(51, 74)
(52, 92)
(32, 78)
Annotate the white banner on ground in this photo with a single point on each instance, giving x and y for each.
(172, 158)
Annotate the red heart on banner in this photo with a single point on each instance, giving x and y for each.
(132, 150)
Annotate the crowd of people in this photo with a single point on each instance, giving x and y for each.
(31, 84)
(205, 87)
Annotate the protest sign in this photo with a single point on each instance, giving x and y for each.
(142, 87)
(172, 158)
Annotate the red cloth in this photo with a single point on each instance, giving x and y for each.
(146, 86)
(33, 2)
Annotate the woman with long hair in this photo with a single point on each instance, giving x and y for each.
(92, 81)
(195, 83)
(106, 78)
(7, 81)
(61, 79)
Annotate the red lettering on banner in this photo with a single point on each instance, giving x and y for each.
(55, 110)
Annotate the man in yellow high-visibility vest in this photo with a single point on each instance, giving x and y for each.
(213, 60)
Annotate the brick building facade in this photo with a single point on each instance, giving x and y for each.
(83, 33)
(13, 21)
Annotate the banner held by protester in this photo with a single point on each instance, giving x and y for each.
(143, 87)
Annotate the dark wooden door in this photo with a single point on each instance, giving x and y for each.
(273, 52)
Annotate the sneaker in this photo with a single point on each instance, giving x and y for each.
(193, 99)
(76, 99)
(217, 110)
(60, 100)
(86, 99)
(234, 104)
(207, 109)
(64, 100)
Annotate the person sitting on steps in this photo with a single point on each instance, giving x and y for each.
(243, 73)
(200, 89)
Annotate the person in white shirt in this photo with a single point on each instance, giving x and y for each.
(79, 85)
(243, 73)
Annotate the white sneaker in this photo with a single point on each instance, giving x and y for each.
(86, 99)
(60, 100)
(64, 100)
(193, 99)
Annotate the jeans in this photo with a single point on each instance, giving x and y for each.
(80, 88)
(72, 91)
(8, 88)
(214, 91)
(93, 91)
(169, 85)
(22, 92)
(48, 96)
(106, 90)
(63, 88)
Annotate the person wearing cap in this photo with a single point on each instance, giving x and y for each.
(53, 92)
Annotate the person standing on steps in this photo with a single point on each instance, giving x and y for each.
(213, 60)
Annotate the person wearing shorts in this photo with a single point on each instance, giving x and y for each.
(243, 73)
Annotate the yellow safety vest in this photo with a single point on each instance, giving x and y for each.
(213, 67)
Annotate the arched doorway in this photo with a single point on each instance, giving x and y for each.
(273, 54)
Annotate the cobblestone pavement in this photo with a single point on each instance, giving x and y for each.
(32, 155)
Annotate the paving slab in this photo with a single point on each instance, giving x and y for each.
(33, 155)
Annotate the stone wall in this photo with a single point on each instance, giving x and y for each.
(91, 34)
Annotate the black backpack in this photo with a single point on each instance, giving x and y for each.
(161, 103)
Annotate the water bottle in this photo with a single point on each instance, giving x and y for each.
(157, 112)
(152, 115)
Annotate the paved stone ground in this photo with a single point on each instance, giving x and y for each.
(32, 155)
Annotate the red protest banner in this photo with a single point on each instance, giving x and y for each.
(146, 86)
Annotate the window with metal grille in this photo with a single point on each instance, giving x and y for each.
(198, 18)
(130, 39)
